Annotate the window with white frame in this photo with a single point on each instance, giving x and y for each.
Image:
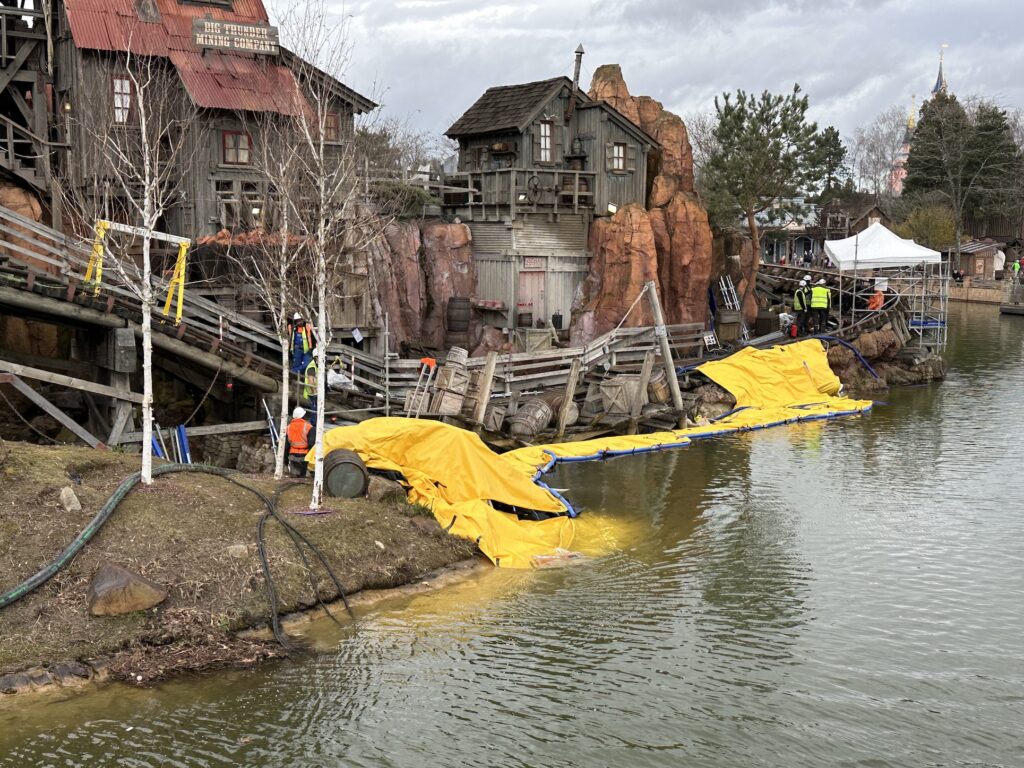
(122, 99)
(545, 141)
(618, 157)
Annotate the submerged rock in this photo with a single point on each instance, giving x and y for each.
(115, 591)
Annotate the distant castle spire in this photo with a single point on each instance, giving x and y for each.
(912, 114)
(941, 86)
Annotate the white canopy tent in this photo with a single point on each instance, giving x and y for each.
(878, 248)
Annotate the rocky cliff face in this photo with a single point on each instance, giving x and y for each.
(414, 269)
(670, 242)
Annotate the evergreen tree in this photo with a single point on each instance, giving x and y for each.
(969, 157)
(765, 149)
(832, 160)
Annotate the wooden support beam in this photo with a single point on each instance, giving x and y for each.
(8, 73)
(570, 394)
(486, 382)
(666, 350)
(68, 381)
(214, 429)
(124, 412)
(55, 412)
(636, 408)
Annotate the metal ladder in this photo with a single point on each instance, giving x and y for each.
(732, 301)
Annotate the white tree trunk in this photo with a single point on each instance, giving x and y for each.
(282, 431)
(147, 365)
(321, 376)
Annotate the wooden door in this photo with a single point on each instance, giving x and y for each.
(531, 294)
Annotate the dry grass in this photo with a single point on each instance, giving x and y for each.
(177, 533)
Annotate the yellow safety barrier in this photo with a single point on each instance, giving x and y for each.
(470, 489)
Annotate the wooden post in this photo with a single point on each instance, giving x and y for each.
(637, 408)
(55, 412)
(570, 394)
(666, 351)
(483, 396)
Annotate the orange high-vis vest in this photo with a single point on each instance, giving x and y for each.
(298, 436)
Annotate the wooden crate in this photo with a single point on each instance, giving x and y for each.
(447, 403)
(619, 393)
(453, 379)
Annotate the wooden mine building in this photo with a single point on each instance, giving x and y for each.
(63, 69)
(539, 161)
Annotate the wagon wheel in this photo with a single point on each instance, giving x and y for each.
(533, 189)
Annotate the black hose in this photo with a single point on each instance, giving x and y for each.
(64, 558)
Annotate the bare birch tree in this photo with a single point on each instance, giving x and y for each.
(329, 209)
(268, 264)
(138, 145)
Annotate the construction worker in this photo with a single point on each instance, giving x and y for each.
(821, 303)
(801, 305)
(298, 442)
(303, 343)
(309, 390)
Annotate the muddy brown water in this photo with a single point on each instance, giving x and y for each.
(840, 594)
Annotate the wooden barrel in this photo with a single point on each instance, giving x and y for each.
(457, 356)
(459, 312)
(531, 418)
(524, 319)
(345, 475)
(657, 387)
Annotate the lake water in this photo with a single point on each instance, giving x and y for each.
(833, 594)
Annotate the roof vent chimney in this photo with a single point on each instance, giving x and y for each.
(575, 83)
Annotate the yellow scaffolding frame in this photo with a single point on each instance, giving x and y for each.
(94, 271)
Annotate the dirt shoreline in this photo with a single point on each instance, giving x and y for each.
(195, 535)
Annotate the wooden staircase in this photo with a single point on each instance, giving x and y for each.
(23, 154)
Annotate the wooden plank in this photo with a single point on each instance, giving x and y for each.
(213, 429)
(124, 412)
(68, 381)
(570, 393)
(486, 383)
(55, 412)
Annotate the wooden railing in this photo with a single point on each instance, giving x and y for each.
(524, 189)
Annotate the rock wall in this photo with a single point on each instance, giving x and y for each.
(670, 242)
(414, 269)
(882, 350)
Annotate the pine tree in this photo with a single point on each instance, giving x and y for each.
(971, 158)
(765, 150)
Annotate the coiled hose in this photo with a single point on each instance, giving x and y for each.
(46, 573)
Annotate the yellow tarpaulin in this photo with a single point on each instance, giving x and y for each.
(453, 473)
(450, 471)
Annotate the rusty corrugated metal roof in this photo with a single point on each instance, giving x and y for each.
(214, 79)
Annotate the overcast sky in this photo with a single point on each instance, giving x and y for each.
(429, 60)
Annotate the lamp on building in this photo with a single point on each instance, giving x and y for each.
(522, 197)
(256, 211)
(67, 106)
(613, 208)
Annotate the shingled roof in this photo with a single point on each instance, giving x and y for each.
(508, 107)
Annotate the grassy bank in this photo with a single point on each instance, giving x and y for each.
(184, 532)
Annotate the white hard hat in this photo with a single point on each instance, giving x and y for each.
(807, 278)
(822, 281)
(296, 316)
(803, 283)
(299, 413)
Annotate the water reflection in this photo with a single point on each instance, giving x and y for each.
(843, 593)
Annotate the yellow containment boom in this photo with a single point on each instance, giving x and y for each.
(450, 470)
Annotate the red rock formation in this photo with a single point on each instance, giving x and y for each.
(675, 160)
(683, 240)
(415, 268)
(670, 243)
(623, 257)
